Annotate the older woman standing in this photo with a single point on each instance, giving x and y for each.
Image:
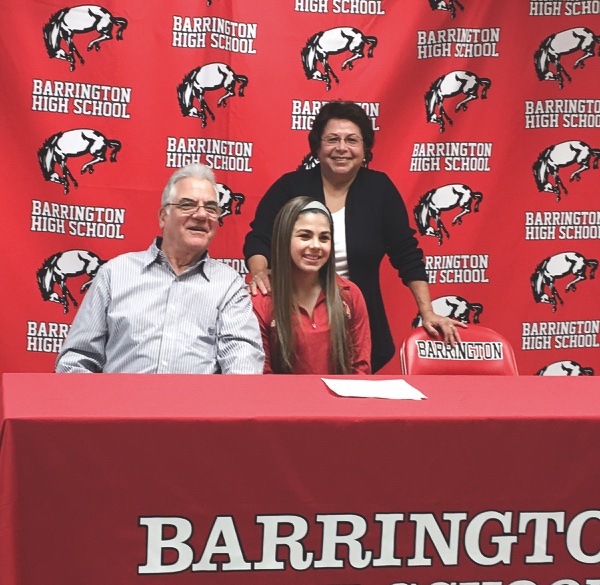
(370, 221)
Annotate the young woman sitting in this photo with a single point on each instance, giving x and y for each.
(313, 322)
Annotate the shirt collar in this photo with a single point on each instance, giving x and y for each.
(154, 255)
(342, 283)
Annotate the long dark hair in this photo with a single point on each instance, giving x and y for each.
(284, 309)
(339, 110)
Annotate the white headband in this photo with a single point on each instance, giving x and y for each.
(317, 205)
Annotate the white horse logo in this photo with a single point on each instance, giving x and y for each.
(332, 42)
(564, 43)
(308, 162)
(454, 307)
(450, 85)
(63, 145)
(565, 368)
(562, 155)
(208, 77)
(59, 267)
(559, 266)
(77, 20)
(434, 202)
(226, 199)
(446, 5)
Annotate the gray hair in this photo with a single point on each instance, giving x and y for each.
(196, 170)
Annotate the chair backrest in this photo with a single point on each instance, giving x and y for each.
(481, 351)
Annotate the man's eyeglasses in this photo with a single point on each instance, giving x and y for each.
(333, 140)
(189, 207)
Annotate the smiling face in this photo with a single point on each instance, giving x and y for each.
(340, 158)
(310, 246)
(188, 235)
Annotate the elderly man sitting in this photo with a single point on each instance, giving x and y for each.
(171, 308)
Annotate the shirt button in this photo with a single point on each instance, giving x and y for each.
(314, 325)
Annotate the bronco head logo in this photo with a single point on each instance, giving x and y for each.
(444, 198)
(80, 19)
(332, 42)
(52, 276)
(208, 78)
(559, 266)
(563, 155)
(226, 199)
(563, 43)
(450, 85)
(63, 145)
(446, 5)
(308, 162)
(455, 308)
(565, 368)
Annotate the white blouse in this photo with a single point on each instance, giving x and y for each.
(339, 242)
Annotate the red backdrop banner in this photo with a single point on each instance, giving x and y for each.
(486, 117)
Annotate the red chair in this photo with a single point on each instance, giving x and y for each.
(482, 351)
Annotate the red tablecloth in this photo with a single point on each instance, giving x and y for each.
(117, 479)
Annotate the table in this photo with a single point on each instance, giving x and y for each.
(118, 479)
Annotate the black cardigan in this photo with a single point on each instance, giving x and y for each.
(376, 225)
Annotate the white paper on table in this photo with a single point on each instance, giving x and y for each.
(392, 389)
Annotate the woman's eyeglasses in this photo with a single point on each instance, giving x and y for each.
(334, 140)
